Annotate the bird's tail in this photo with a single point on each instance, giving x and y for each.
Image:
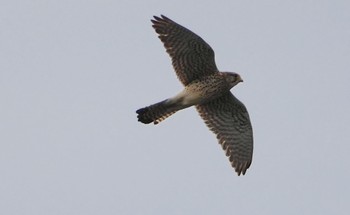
(157, 112)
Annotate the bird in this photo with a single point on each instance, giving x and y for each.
(206, 88)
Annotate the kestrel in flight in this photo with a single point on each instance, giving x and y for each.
(207, 89)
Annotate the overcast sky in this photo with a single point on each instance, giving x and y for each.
(72, 74)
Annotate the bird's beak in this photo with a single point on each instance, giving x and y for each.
(240, 79)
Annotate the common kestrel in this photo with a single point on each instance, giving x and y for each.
(207, 89)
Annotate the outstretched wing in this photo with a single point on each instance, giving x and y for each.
(191, 56)
(228, 118)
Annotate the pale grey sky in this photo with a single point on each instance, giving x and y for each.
(72, 74)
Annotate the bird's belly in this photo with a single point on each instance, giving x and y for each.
(198, 93)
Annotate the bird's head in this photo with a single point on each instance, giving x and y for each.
(232, 78)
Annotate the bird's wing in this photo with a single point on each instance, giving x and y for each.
(191, 56)
(228, 118)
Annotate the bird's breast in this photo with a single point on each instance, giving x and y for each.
(204, 90)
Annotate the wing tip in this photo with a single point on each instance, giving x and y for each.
(241, 167)
(161, 18)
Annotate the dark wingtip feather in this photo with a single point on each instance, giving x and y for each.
(162, 18)
(241, 168)
(156, 19)
(165, 18)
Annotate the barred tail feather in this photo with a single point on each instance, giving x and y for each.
(156, 113)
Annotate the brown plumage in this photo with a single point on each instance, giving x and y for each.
(191, 56)
(205, 88)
